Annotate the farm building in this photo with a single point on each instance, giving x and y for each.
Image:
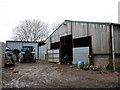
(38, 46)
(95, 43)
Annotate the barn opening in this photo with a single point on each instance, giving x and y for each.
(66, 47)
(55, 45)
(82, 47)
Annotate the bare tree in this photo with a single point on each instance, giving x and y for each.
(30, 30)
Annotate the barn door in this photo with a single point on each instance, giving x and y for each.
(80, 54)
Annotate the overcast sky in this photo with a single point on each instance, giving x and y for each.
(50, 11)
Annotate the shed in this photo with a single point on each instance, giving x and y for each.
(81, 39)
(18, 45)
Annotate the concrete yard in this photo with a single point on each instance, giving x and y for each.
(50, 75)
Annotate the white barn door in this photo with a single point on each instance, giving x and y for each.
(80, 54)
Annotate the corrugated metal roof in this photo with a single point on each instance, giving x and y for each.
(25, 41)
(87, 22)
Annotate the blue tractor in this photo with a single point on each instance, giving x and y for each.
(27, 54)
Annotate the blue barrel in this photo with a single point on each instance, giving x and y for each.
(80, 64)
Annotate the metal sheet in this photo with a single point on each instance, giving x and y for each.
(100, 35)
(79, 30)
(53, 55)
(116, 33)
(101, 39)
(80, 54)
(48, 43)
(42, 52)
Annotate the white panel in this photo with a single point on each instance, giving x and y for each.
(80, 54)
(50, 51)
(55, 51)
(53, 55)
(56, 55)
(50, 55)
(42, 52)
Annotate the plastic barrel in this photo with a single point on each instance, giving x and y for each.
(80, 64)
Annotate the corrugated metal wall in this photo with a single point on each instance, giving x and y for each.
(42, 52)
(100, 35)
(117, 38)
(14, 45)
(63, 30)
(48, 43)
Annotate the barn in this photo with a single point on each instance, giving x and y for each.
(95, 43)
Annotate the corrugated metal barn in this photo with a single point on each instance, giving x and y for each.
(92, 42)
(38, 46)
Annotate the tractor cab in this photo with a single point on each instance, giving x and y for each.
(27, 49)
(27, 54)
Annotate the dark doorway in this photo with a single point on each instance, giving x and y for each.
(84, 42)
(55, 45)
(66, 47)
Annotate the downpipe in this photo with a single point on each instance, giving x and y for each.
(113, 47)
